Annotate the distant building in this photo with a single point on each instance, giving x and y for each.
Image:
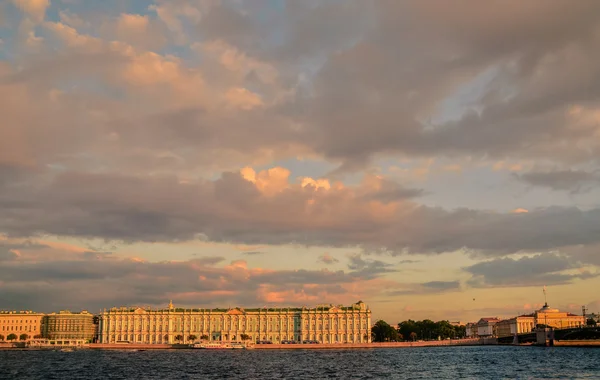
(471, 330)
(557, 319)
(516, 325)
(326, 324)
(486, 327)
(66, 325)
(19, 323)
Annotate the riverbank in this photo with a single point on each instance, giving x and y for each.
(344, 346)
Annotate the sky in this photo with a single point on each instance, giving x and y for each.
(435, 160)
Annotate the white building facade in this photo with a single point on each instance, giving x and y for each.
(325, 324)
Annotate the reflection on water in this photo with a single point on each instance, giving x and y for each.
(489, 362)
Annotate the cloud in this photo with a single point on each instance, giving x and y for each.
(326, 258)
(538, 270)
(431, 287)
(368, 267)
(35, 9)
(573, 181)
(253, 253)
(235, 209)
(91, 281)
(152, 114)
(442, 285)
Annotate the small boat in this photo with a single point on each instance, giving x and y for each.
(66, 349)
(223, 346)
(211, 346)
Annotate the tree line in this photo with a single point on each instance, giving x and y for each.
(416, 330)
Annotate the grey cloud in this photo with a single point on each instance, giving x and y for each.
(442, 285)
(253, 253)
(368, 268)
(210, 260)
(95, 282)
(231, 209)
(7, 254)
(383, 81)
(431, 287)
(392, 192)
(574, 181)
(539, 270)
(408, 261)
(589, 254)
(370, 97)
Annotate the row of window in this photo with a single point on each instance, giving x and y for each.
(19, 328)
(18, 321)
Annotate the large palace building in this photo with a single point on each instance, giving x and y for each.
(325, 324)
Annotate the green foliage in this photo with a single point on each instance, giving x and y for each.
(1, 337)
(23, 337)
(245, 337)
(11, 337)
(430, 330)
(192, 337)
(204, 337)
(179, 338)
(591, 322)
(382, 332)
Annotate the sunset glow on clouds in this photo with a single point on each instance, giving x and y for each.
(435, 161)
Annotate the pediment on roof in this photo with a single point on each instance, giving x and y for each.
(139, 310)
(334, 309)
(235, 311)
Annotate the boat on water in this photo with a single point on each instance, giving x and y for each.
(66, 349)
(223, 346)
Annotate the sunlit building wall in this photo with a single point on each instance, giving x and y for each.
(326, 324)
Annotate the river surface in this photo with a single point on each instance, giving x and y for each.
(480, 362)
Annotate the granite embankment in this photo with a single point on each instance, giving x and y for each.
(461, 342)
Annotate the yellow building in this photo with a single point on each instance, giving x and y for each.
(325, 324)
(19, 323)
(544, 316)
(66, 325)
(557, 319)
(517, 325)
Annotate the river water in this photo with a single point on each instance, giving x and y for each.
(481, 362)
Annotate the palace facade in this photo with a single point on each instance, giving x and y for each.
(325, 324)
(66, 325)
(20, 323)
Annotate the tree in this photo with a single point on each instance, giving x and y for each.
(204, 337)
(245, 337)
(427, 329)
(192, 337)
(413, 336)
(38, 336)
(383, 332)
(591, 322)
(166, 337)
(23, 337)
(179, 338)
(1, 337)
(11, 337)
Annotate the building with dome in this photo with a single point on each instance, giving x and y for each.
(555, 318)
(546, 316)
(324, 324)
